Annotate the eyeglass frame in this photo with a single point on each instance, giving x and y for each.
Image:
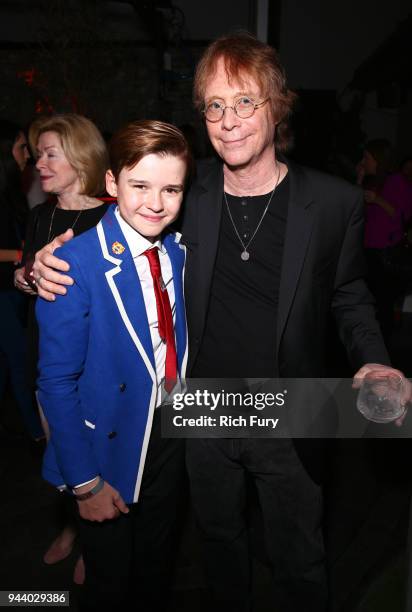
(256, 105)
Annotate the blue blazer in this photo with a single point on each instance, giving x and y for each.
(97, 381)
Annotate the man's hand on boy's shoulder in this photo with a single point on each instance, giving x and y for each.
(105, 505)
(47, 268)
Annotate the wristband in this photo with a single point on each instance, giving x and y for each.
(97, 487)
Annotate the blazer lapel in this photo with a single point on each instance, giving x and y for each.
(209, 217)
(125, 286)
(298, 232)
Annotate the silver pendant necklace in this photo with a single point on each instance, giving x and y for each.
(50, 237)
(245, 255)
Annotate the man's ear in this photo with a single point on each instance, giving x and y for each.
(111, 185)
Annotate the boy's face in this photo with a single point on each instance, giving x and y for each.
(149, 195)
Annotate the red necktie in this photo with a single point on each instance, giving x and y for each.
(164, 318)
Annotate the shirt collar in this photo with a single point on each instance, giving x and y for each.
(138, 244)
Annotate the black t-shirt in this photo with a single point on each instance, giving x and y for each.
(240, 333)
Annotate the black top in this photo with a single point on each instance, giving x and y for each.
(40, 227)
(244, 294)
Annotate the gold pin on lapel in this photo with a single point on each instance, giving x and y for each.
(118, 248)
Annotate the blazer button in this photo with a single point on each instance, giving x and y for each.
(122, 387)
(112, 435)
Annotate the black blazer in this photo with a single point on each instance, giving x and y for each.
(322, 270)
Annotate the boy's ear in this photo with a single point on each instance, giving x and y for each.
(111, 185)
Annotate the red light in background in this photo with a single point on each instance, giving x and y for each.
(28, 76)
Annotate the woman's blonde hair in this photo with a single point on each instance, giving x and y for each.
(83, 146)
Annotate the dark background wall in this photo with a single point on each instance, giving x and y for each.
(116, 61)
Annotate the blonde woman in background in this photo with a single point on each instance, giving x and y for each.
(71, 160)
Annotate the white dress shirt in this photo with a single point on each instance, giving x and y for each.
(138, 244)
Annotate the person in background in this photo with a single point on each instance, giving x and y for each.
(388, 200)
(71, 160)
(32, 186)
(110, 352)
(406, 168)
(13, 211)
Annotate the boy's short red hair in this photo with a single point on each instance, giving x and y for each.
(140, 138)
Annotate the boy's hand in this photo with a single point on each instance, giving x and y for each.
(105, 505)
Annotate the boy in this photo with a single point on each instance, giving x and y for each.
(109, 354)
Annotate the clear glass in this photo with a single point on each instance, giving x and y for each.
(244, 108)
(380, 397)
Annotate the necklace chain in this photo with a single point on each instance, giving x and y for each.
(49, 236)
(245, 253)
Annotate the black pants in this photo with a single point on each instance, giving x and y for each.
(291, 508)
(130, 560)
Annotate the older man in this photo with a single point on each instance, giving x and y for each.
(273, 248)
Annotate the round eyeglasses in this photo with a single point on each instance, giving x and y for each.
(244, 107)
